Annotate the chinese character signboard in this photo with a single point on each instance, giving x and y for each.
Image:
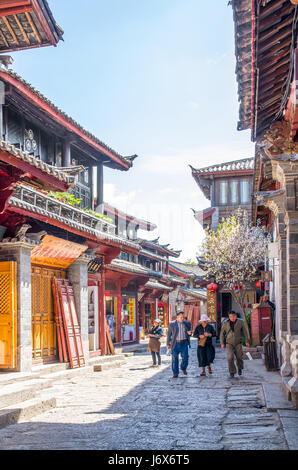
(131, 309)
(211, 305)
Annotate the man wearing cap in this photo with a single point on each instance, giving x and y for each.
(178, 340)
(231, 338)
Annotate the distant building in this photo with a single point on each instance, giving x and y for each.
(227, 186)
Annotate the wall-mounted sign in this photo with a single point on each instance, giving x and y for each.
(56, 252)
(211, 305)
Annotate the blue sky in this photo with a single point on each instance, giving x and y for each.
(154, 78)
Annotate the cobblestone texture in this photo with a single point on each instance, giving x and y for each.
(138, 407)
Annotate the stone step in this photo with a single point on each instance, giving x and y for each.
(25, 410)
(69, 373)
(108, 366)
(105, 359)
(275, 397)
(11, 394)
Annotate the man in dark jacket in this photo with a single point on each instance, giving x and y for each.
(178, 340)
(231, 334)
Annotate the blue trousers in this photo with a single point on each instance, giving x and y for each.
(180, 348)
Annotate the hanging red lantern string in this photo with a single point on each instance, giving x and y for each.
(212, 288)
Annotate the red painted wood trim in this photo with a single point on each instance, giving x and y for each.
(56, 223)
(43, 22)
(57, 117)
(36, 172)
(178, 272)
(15, 10)
(14, 3)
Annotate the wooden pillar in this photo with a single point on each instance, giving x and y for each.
(102, 315)
(66, 159)
(2, 103)
(99, 184)
(91, 186)
(119, 332)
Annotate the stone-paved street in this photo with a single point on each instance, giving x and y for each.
(137, 407)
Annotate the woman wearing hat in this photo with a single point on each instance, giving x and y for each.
(206, 352)
(154, 342)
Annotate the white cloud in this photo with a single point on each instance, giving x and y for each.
(164, 193)
(120, 199)
(175, 162)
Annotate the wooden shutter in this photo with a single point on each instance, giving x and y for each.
(8, 315)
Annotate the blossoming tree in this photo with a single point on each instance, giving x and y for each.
(233, 253)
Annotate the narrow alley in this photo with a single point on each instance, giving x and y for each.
(139, 407)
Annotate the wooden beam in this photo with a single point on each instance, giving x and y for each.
(14, 3)
(33, 28)
(15, 10)
(22, 30)
(11, 30)
(4, 39)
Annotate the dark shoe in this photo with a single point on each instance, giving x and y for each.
(175, 376)
(184, 372)
(203, 374)
(209, 370)
(232, 374)
(239, 371)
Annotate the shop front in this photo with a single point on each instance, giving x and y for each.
(113, 312)
(163, 311)
(129, 315)
(48, 260)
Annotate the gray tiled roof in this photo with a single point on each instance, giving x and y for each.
(128, 266)
(157, 285)
(243, 164)
(191, 269)
(63, 174)
(128, 161)
(197, 293)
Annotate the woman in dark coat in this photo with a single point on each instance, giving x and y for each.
(206, 352)
(154, 342)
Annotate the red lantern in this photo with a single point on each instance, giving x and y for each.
(258, 284)
(212, 287)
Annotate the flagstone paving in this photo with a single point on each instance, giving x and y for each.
(138, 407)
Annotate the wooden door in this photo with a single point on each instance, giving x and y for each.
(44, 330)
(8, 315)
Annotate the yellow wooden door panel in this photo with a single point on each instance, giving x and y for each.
(8, 315)
(44, 336)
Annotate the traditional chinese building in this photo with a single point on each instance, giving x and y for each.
(27, 24)
(267, 59)
(47, 232)
(154, 296)
(227, 186)
(190, 297)
(124, 276)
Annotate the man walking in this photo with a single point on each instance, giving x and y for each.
(231, 337)
(178, 340)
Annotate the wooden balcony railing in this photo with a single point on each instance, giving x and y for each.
(30, 199)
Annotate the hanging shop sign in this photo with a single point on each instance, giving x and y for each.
(56, 252)
(266, 276)
(211, 305)
(131, 309)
